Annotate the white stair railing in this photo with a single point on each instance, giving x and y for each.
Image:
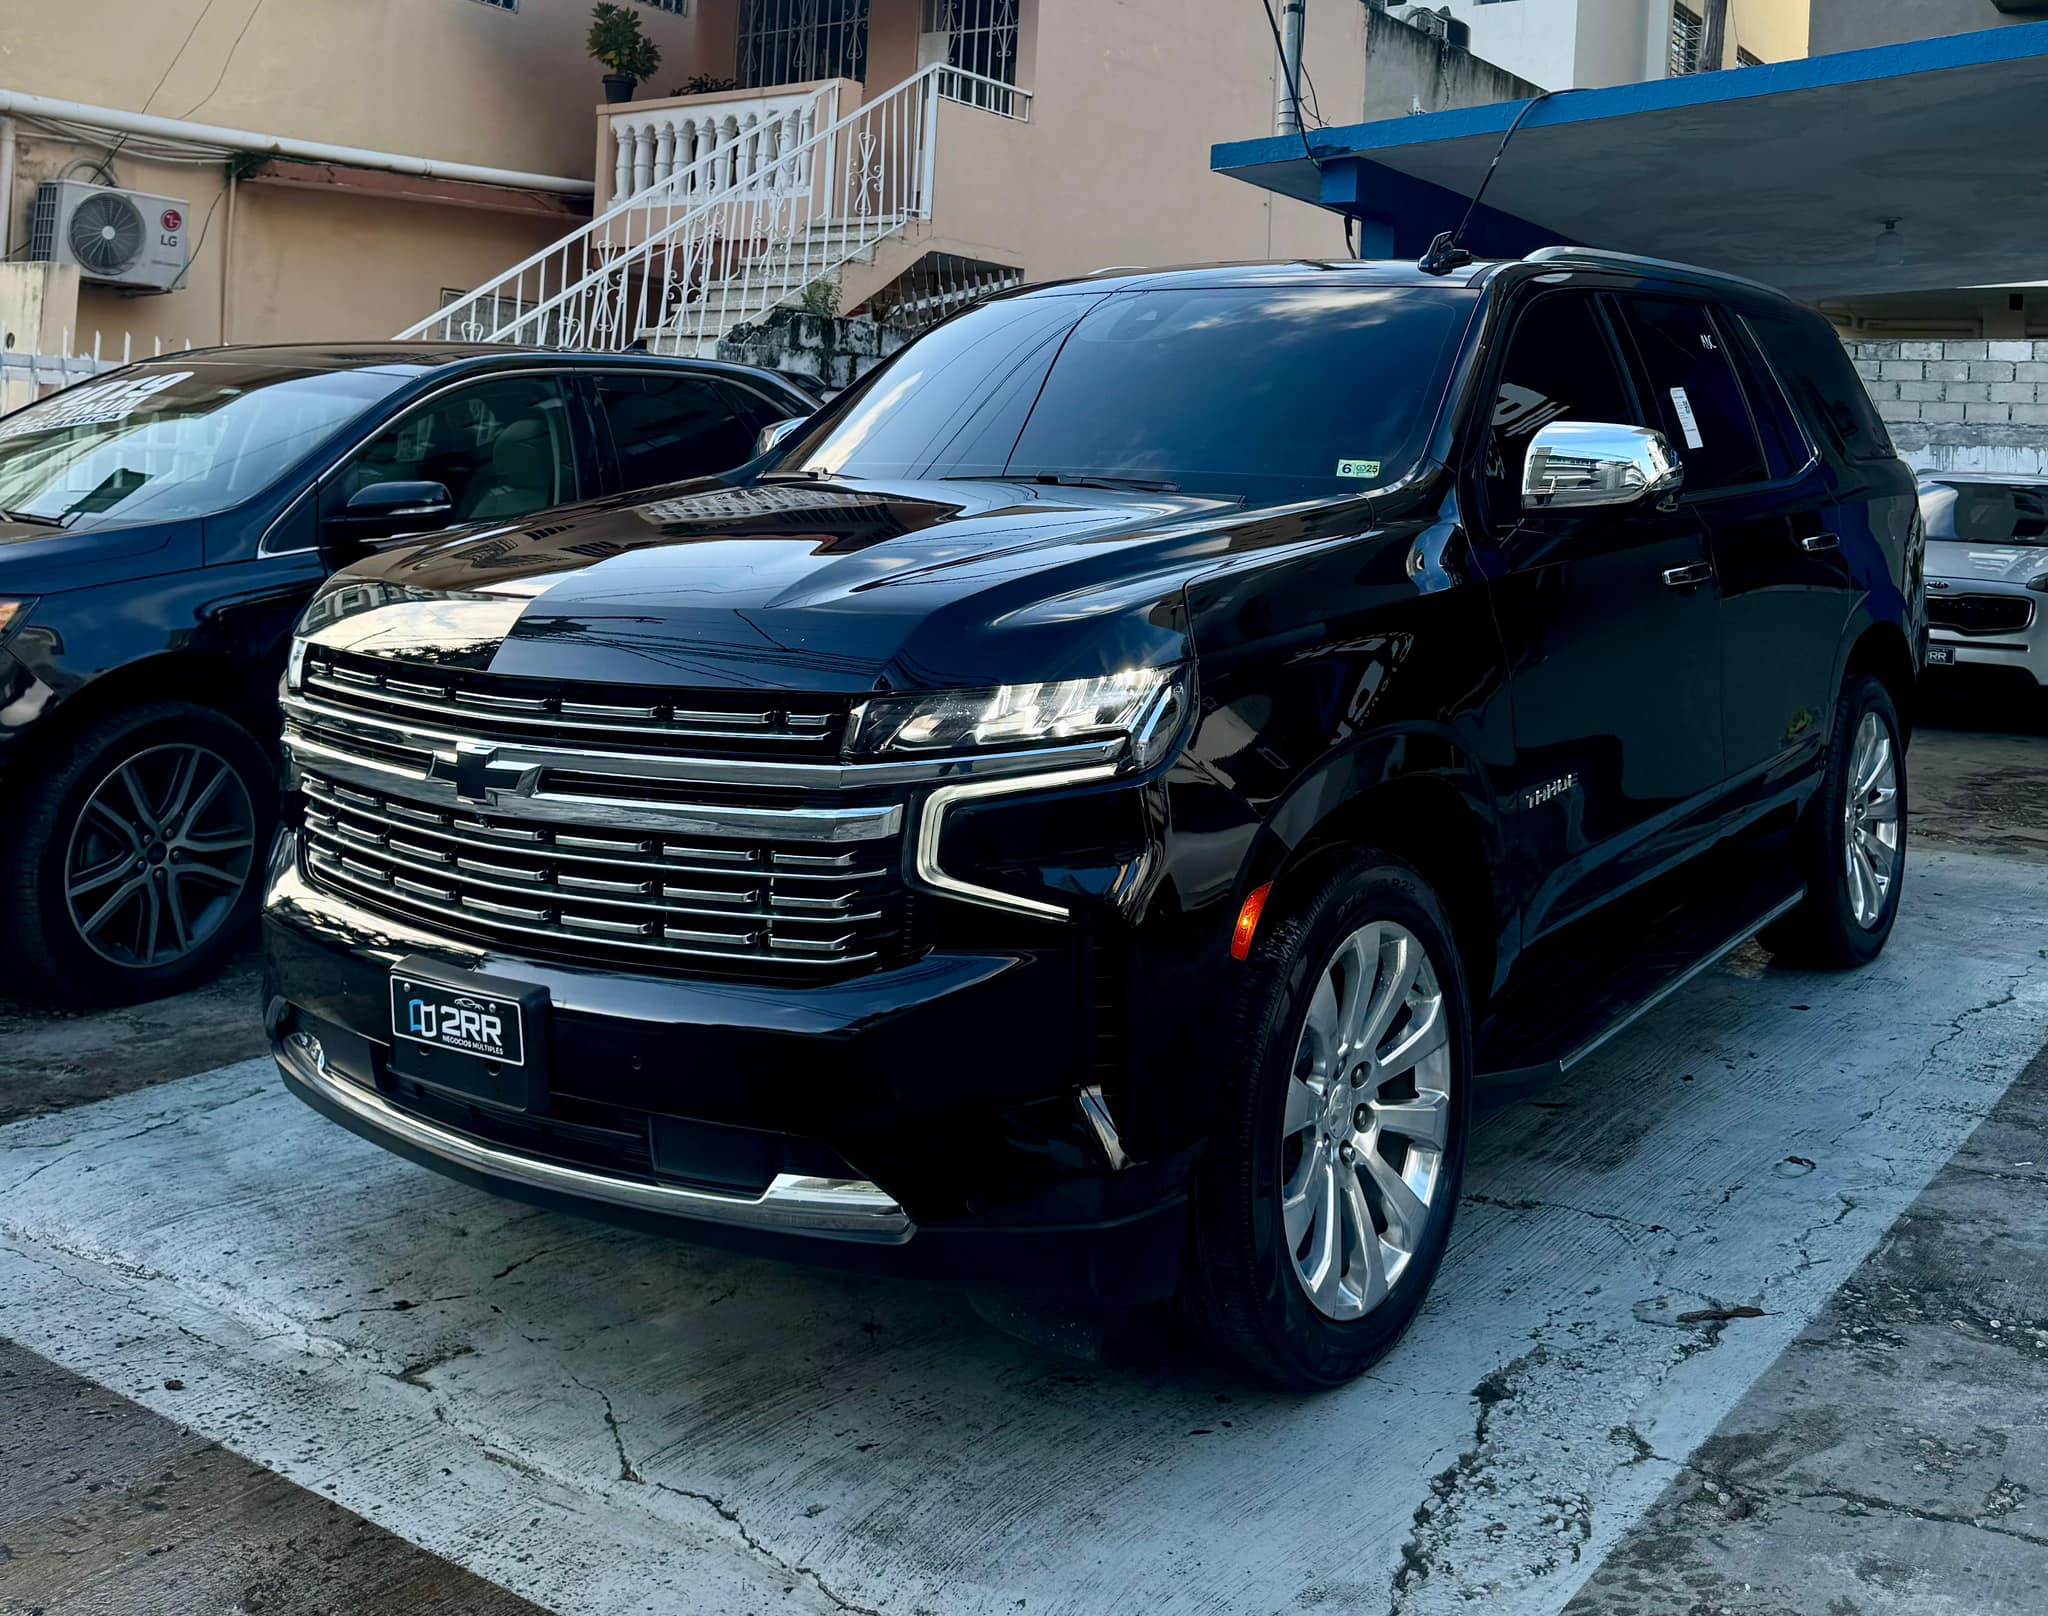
(718, 243)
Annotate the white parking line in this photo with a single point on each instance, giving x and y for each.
(606, 1422)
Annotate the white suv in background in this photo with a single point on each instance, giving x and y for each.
(1987, 577)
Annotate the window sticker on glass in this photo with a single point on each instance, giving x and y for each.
(1686, 419)
(1358, 468)
(90, 406)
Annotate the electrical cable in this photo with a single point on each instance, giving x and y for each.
(169, 67)
(227, 61)
(1293, 82)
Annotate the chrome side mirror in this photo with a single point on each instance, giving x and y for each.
(775, 432)
(1573, 464)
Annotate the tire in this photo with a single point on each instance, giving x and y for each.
(186, 872)
(1249, 1291)
(1838, 926)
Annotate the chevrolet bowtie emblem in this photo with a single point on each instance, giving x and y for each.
(475, 772)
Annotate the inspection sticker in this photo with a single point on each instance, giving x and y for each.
(1358, 468)
(1686, 419)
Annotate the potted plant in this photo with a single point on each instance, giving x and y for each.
(628, 54)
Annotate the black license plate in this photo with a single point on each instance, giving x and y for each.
(1941, 656)
(479, 1036)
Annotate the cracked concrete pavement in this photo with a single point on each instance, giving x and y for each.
(1893, 1460)
(1643, 1382)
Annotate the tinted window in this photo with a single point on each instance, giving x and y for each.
(504, 448)
(1786, 449)
(1266, 394)
(1560, 366)
(1824, 385)
(666, 428)
(167, 441)
(1695, 398)
(1986, 513)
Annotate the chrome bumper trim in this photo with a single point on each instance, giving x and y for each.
(840, 1207)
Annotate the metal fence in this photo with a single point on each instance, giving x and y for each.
(27, 375)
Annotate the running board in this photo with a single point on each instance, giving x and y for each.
(1625, 1000)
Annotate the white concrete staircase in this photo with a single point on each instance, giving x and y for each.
(739, 229)
(774, 280)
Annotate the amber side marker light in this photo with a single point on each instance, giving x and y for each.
(1248, 922)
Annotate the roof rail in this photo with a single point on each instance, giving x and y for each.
(1601, 258)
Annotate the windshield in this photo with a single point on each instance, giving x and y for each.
(163, 442)
(1263, 394)
(1986, 513)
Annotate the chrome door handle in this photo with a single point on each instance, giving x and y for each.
(1819, 543)
(1688, 577)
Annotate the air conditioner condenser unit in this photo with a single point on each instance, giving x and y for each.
(116, 238)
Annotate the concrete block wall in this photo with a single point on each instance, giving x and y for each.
(829, 351)
(1961, 406)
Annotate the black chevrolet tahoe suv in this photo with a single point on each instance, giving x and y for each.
(1094, 806)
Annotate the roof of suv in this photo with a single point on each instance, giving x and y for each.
(1402, 272)
(420, 357)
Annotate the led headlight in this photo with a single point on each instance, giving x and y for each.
(1144, 704)
(295, 665)
(2039, 585)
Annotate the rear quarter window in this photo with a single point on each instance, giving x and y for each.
(1810, 360)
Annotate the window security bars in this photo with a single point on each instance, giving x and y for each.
(1688, 30)
(981, 38)
(797, 41)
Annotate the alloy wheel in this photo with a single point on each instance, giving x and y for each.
(162, 850)
(1368, 1117)
(1870, 821)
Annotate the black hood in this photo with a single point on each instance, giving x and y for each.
(835, 586)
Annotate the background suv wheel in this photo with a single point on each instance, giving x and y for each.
(1326, 1202)
(136, 855)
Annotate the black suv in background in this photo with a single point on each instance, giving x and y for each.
(162, 527)
(1094, 806)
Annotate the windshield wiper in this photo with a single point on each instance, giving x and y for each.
(1075, 479)
(31, 518)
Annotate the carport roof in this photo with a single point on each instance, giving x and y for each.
(1785, 172)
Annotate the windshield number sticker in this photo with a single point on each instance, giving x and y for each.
(94, 406)
(1358, 468)
(1686, 419)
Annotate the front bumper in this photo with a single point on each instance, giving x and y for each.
(2014, 658)
(936, 1118)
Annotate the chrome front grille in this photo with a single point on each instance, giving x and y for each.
(489, 707)
(621, 894)
(517, 817)
(1980, 614)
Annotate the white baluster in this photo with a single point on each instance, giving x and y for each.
(708, 143)
(790, 138)
(643, 159)
(728, 164)
(622, 167)
(664, 153)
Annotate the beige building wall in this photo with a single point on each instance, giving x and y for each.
(1775, 30)
(459, 80)
(1113, 167)
(455, 79)
(274, 263)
